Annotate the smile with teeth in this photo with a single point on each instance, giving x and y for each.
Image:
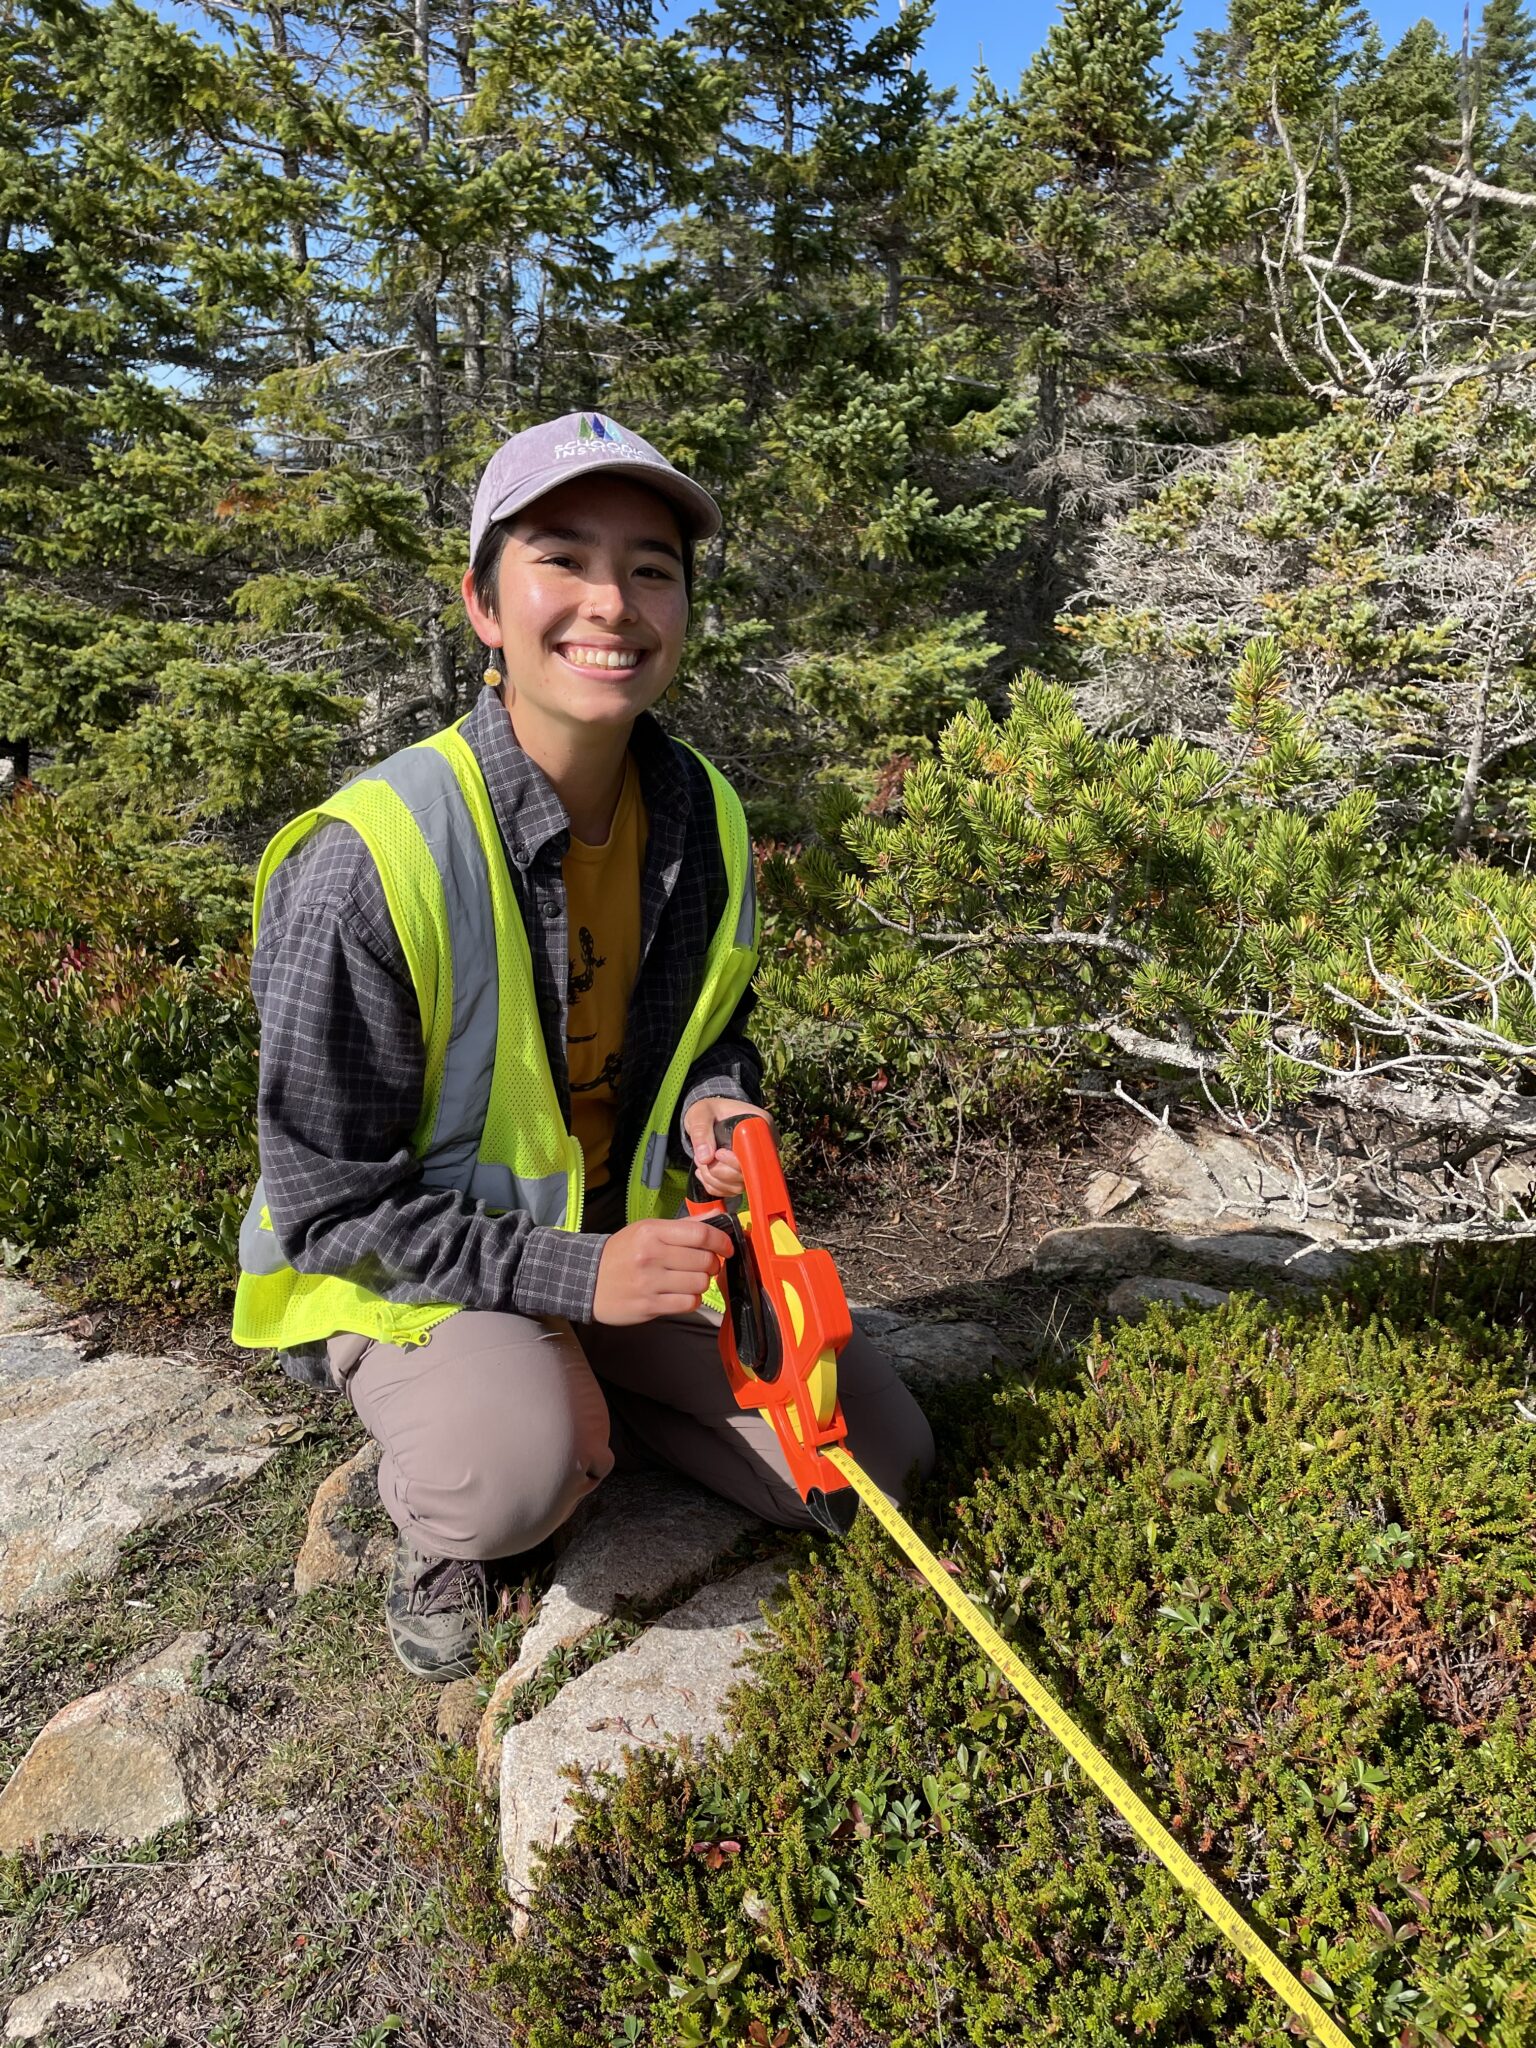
(600, 657)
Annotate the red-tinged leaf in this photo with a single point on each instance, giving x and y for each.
(1378, 1919)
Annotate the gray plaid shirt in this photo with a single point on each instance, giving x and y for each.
(343, 1062)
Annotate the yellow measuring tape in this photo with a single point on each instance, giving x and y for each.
(1094, 1764)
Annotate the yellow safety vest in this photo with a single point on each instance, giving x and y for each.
(490, 1120)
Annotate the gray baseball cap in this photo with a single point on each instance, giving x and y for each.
(579, 444)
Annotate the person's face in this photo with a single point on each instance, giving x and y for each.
(590, 604)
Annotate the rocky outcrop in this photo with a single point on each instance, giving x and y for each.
(1207, 1175)
(124, 1762)
(647, 1535)
(938, 1353)
(1237, 1257)
(1107, 1192)
(1234, 1257)
(1096, 1251)
(339, 1544)
(668, 1686)
(93, 1450)
(1132, 1298)
(100, 1978)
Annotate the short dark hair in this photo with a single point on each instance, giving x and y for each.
(488, 561)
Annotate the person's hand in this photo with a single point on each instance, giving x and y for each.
(657, 1268)
(716, 1167)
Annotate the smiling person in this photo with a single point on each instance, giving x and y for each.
(504, 979)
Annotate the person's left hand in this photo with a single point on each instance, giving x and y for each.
(716, 1167)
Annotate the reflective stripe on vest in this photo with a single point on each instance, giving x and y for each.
(490, 1124)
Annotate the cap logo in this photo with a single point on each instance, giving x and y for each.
(595, 428)
(597, 435)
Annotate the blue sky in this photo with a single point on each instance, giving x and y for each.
(1008, 34)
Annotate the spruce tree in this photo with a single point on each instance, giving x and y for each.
(1059, 243)
(779, 341)
(1505, 64)
(132, 264)
(1396, 114)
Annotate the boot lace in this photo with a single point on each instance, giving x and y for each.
(452, 1582)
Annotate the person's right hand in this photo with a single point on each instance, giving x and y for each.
(657, 1268)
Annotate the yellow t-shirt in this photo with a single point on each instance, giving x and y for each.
(602, 896)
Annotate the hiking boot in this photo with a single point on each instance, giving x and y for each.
(435, 1609)
(306, 1364)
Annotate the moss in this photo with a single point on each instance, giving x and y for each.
(1282, 1564)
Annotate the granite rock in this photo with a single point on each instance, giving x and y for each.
(339, 1545)
(1232, 1257)
(647, 1535)
(1255, 1256)
(1107, 1192)
(945, 1352)
(932, 1351)
(1096, 1251)
(1132, 1298)
(23, 1308)
(123, 1762)
(879, 1324)
(99, 1978)
(179, 1667)
(92, 1451)
(1206, 1175)
(458, 1712)
(670, 1685)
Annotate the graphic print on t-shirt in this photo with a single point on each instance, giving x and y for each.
(602, 886)
(590, 963)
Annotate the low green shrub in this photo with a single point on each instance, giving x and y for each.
(161, 1233)
(1282, 1564)
(127, 1068)
(1044, 900)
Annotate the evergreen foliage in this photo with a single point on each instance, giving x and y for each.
(1394, 563)
(133, 265)
(1049, 899)
(274, 282)
(1281, 1566)
(127, 1071)
(777, 338)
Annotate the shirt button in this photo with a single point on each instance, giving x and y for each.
(551, 910)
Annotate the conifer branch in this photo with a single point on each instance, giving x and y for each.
(1464, 185)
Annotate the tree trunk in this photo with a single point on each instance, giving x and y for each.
(507, 341)
(474, 339)
(1471, 782)
(473, 307)
(298, 233)
(1477, 744)
(442, 682)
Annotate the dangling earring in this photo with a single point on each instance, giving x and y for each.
(491, 678)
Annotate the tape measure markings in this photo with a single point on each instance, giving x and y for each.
(1126, 1801)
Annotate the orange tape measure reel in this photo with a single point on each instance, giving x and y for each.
(786, 1320)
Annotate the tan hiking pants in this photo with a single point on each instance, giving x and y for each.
(499, 1424)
